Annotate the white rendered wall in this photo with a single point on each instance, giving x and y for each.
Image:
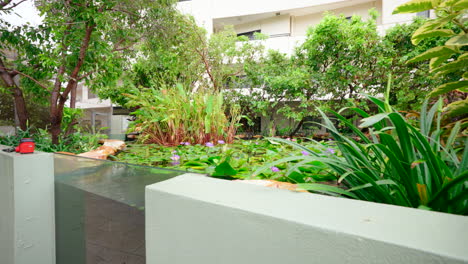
(303, 13)
(302, 23)
(27, 223)
(269, 26)
(201, 220)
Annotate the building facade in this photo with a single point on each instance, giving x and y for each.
(285, 22)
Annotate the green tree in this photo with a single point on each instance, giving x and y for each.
(273, 84)
(82, 40)
(344, 57)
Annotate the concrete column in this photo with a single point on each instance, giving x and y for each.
(27, 223)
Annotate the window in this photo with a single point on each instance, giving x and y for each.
(91, 95)
(423, 14)
(250, 34)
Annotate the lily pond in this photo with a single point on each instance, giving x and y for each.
(244, 159)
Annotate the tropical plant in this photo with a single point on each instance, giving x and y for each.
(451, 58)
(413, 81)
(395, 163)
(174, 115)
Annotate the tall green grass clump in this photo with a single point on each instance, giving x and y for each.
(174, 115)
(395, 162)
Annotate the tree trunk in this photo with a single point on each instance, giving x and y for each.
(20, 104)
(21, 111)
(58, 98)
(73, 96)
(56, 116)
(297, 128)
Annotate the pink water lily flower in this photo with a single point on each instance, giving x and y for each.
(221, 142)
(274, 169)
(305, 153)
(175, 157)
(209, 144)
(330, 150)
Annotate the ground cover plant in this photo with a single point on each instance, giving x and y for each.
(231, 161)
(395, 163)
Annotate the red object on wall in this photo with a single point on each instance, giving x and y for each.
(26, 146)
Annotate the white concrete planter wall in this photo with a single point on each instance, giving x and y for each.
(27, 223)
(194, 219)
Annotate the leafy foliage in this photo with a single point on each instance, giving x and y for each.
(271, 83)
(77, 142)
(451, 57)
(174, 115)
(344, 58)
(396, 163)
(411, 82)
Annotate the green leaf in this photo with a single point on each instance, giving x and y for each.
(433, 53)
(414, 6)
(460, 5)
(317, 187)
(461, 64)
(457, 108)
(369, 121)
(438, 61)
(419, 36)
(368, 185)
(447, 87)
(224, 169)
(460, 40)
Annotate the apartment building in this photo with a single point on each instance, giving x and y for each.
(285, 22)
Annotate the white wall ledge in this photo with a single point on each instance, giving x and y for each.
(193, 219)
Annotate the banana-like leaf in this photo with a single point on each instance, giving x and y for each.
(414, 6)
(438, 61)
(447, 87)
(460, 5)
(419, 36)
(457, 108)
(433, 53)
(461, 64)
(460, 40)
